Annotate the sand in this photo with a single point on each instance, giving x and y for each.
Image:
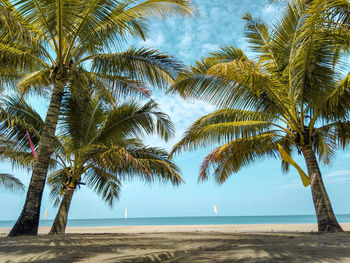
(185, 244)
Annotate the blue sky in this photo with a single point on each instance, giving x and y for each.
(261, 189)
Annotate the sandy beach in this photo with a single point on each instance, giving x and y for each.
(214, 243)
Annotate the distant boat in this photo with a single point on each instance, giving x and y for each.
(215, 209)
(216, 213)
(45, 214)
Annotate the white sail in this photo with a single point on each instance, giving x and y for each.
(45, 214)
(215, 209)
(126, 213)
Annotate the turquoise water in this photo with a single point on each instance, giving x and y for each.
(200, 220)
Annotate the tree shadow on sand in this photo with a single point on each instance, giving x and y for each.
(179, 247)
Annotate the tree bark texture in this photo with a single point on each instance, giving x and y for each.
(60, 223)
(28, 221)
(326, 219)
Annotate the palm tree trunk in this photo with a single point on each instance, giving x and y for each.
(28, 221)
(326, 219)
(59, 225)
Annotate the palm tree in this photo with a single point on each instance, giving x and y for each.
(135, 160)
(103, 145)
(290, 99)
(46, 45)
(96, 141)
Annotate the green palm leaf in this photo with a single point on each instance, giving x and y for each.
(145, 65)
(11, 183)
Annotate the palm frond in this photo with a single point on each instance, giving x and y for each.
(223, 126)
(104, 183)
(333, 104)
(112, 86)
(232, 156)
(163, 8)
(16, 118)
(13, 25)
(130, 119)
(18, 159)
(56, 181)
(257, 35)
(157, 162)
(37, 82)
(252, 87)
(325, 144)
(11, 183)
(145, 65)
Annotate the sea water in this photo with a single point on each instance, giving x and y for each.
(198, 220)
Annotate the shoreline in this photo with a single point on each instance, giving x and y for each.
(229, 228)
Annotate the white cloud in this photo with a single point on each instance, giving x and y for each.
(154, 41)
(345, 155)
(339, 180)
(189, 39)
(290, 186)
(337, 173)
(219, 23)
(270, 10)
(337, 176)
(207, 48)
(182, 113)
(186, 40)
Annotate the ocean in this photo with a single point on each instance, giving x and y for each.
(198, 220)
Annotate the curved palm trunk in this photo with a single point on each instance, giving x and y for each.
(28, 221)
(59, 225)
(326, 219)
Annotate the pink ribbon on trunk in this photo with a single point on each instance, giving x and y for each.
(31, 146)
